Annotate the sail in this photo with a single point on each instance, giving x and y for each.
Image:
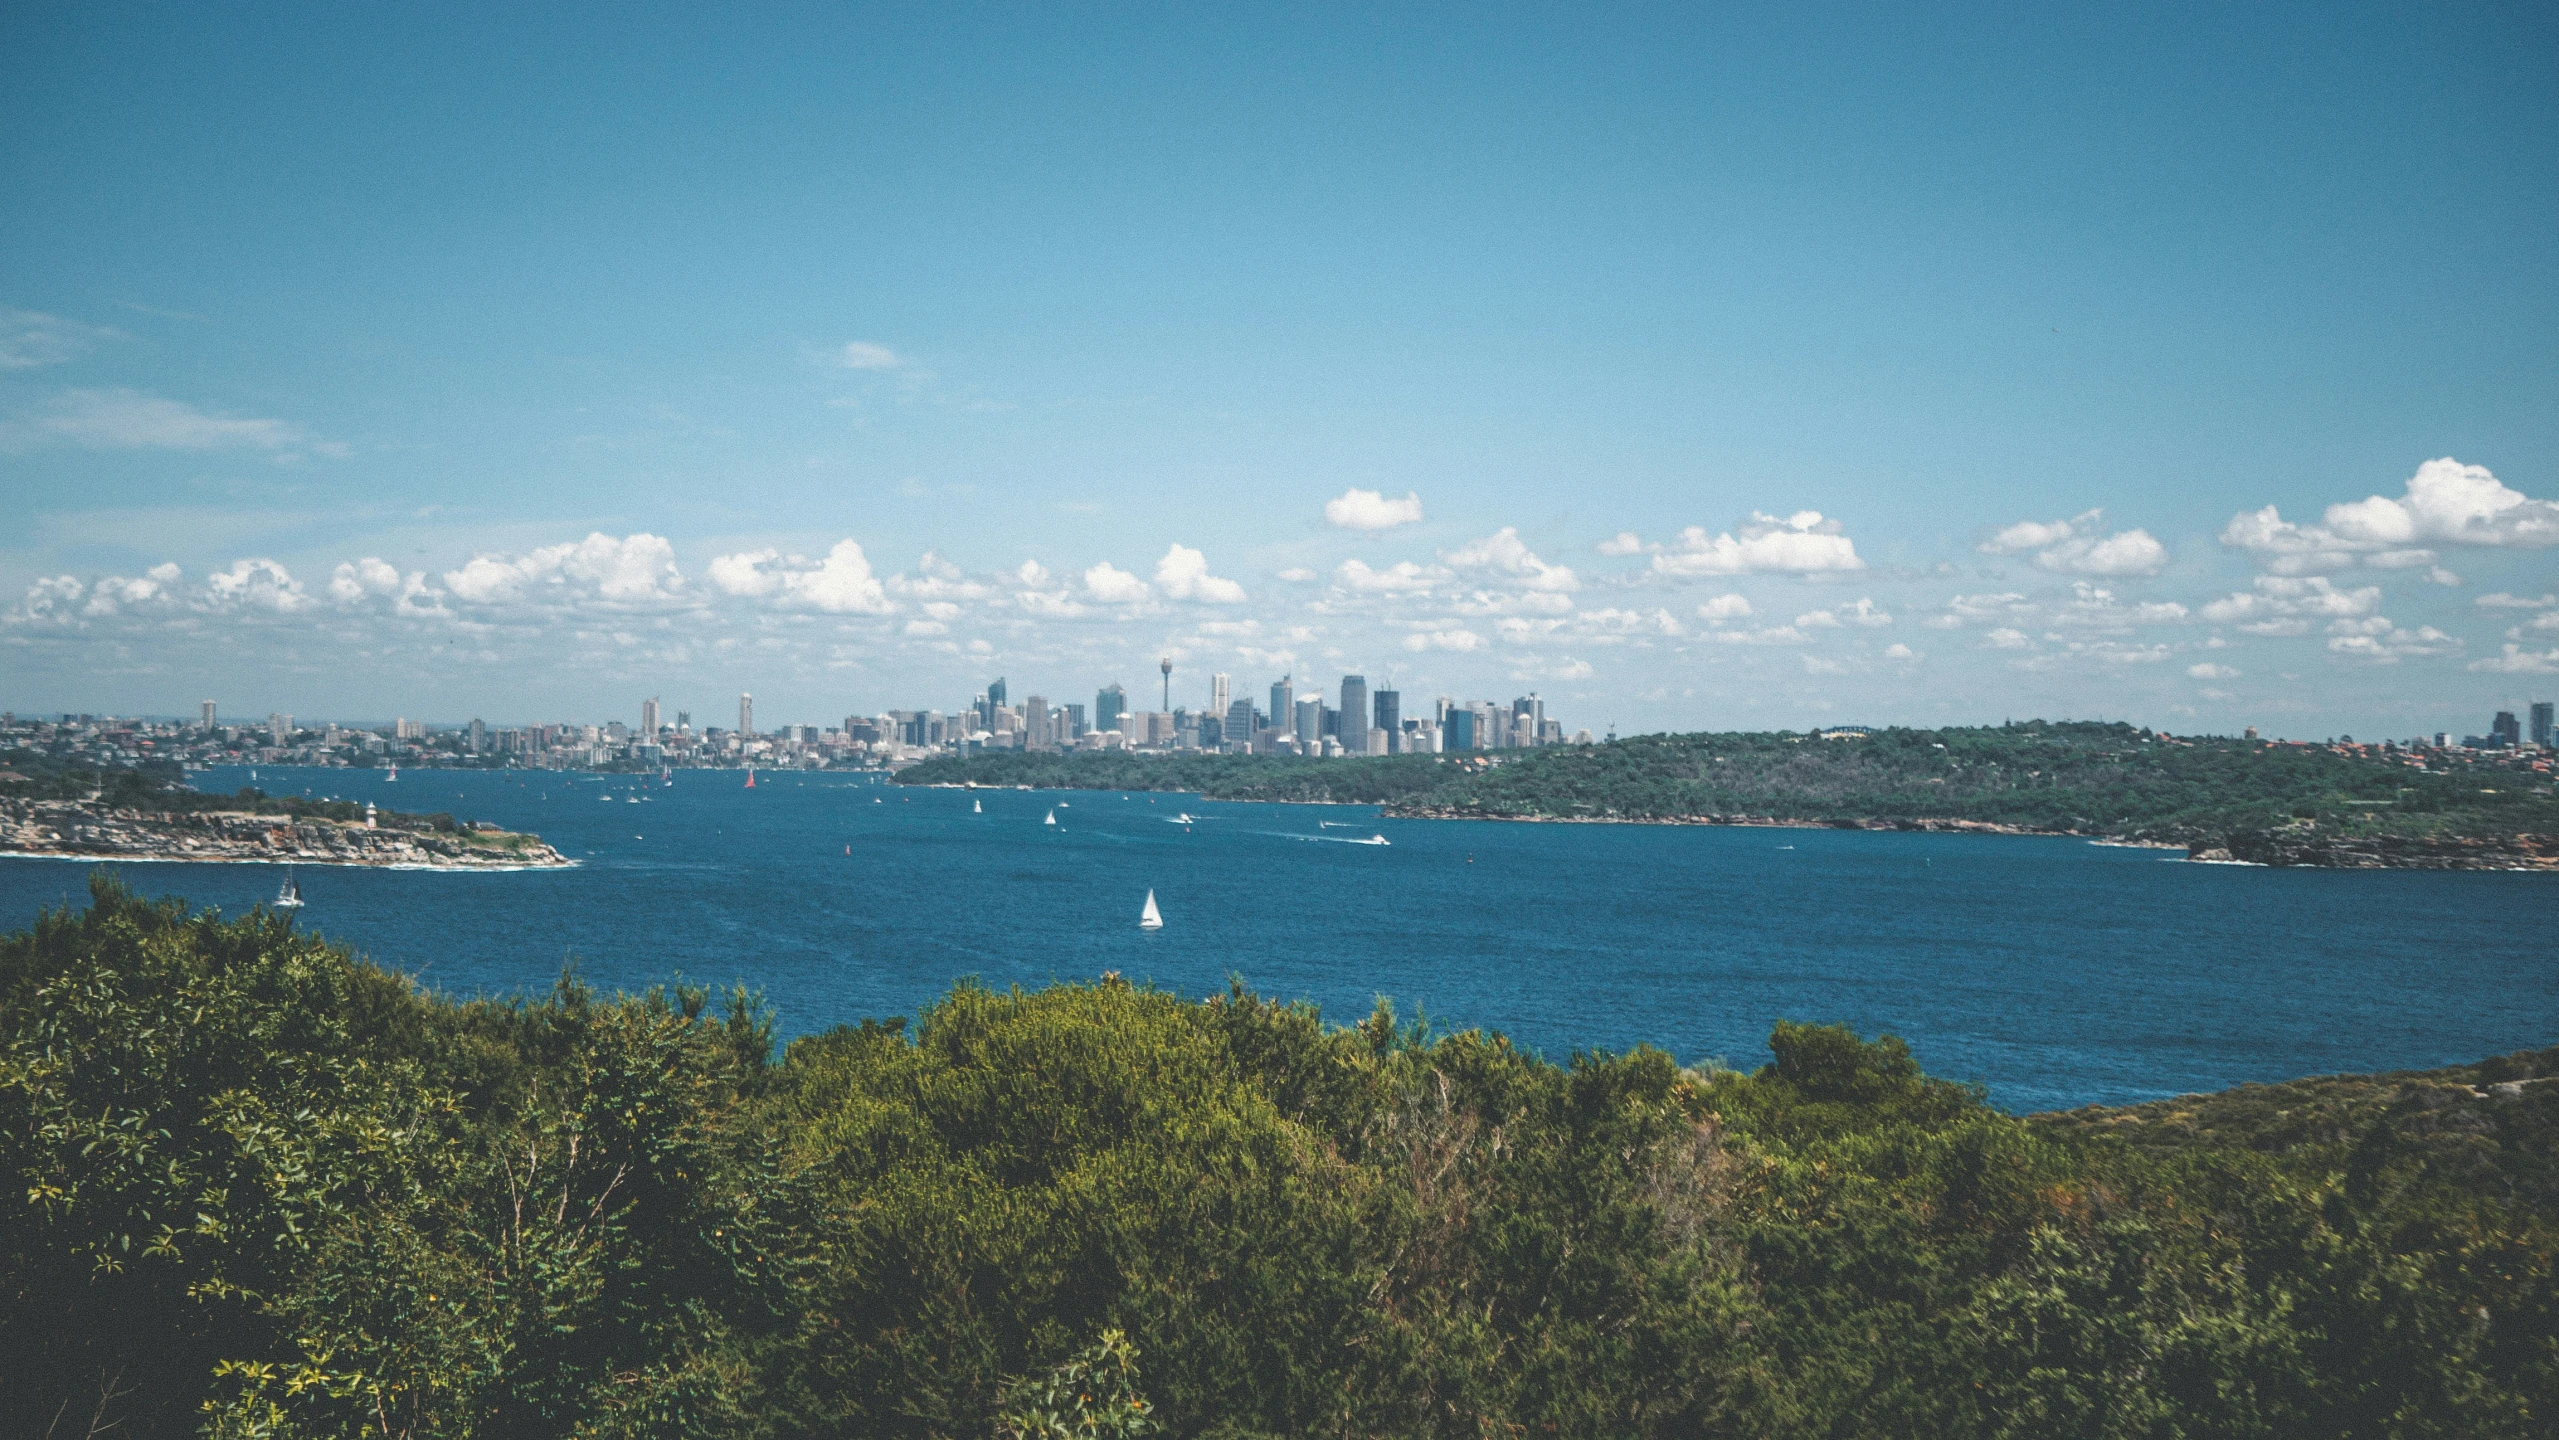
(1052, 818)
(977, 807)
(1150, 918)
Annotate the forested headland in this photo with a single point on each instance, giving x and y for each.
(2316, 804)
(255, 1186)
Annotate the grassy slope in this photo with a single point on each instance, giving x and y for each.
(2083, 778)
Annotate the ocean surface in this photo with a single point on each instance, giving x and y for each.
(2056, 972)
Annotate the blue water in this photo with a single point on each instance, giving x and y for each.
(2056, 972)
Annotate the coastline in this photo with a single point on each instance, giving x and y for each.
(71, 830)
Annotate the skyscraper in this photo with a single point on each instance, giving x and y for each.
(1458, 726)
(479, 735)
(1239, 724)
(1388, 707)
(649, 721)
(995, 692)
(745, 713)
(2504, 731)
(1283, 703)
(1354, 722)
(208, 710)
(1035, 723)
(1310, 722)
(1108, 706)
(1218, 699)
(2540, 721)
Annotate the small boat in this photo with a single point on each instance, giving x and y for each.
(290, 897)
(666, 776)
(1052, 818)
(1149, 918)
(750, 777)
(393, 778)
(1062, 805)
(977, 807)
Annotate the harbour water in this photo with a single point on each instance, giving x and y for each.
(2056, 972)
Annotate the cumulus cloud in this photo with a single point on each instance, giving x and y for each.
(1357, 509)
(1624, 542)
(840, 584)
(1723, 608)
(1504, 553)
(1898, 651)
(1460, 640)
(2375, 638)
(868, 355)
(1113, 586)
(1183, 575)
(2503, 601)
(630, 570)
(260, 585)
(2006, 638)
(1297, 574)
(1865, 612)
(2077, 547)
(2516, 660)
(362, 579)
(2285, 605)
(1801, 544)
(1402, 577)
(2445, 503)
(121, 419)
(2209, 671)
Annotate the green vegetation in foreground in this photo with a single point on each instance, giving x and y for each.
(256, 1187)
(2072, 777)
(159, 787)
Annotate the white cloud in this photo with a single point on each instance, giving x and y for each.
(1865, 612)
(1297, 574)
(1183, 575)
(121, 419)
(636, 568)
(868, 355)
(2516, 660)
(1402, 577)
(1357, 509)
(2006, 638)
(1032, 574)
(2503, 601)
(1766, 635)
(1624, 542)
(2284, 605)
(359, 579)
(1802, 544)
(1898, 651)
(1444, 640)
(255, 585)
(743, 573)
(1723, 608)
(2075, 546)
(1504, 553)
(2379, 640)
(1113, 586)
(2445, 503)
(29, 339)
(2210, 671)
(841, 584)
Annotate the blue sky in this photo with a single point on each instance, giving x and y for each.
(466, 361)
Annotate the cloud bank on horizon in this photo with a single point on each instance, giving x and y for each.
(1486, 613)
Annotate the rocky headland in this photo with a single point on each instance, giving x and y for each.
(74, 829)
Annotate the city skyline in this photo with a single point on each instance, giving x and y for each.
(1701, 371)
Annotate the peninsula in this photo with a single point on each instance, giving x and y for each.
(2340, 805)
(147, 813)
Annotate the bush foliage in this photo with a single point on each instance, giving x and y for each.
(256, 1187)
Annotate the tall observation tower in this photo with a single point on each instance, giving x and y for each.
(1166, 665)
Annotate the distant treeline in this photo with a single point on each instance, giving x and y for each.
(159, 787)
(2069, 777)
(252, 1186)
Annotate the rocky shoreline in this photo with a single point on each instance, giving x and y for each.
(70, 830)
(2278, 849)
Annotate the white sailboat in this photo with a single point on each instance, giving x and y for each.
(1150, 918)
(290, 897)
(393, 778)
(977, 807)
(1052, 818)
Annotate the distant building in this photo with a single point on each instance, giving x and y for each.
(1218, 698)
(1310, 723)
(1387, 711)
(1108, 706)
(2541, 727)
(683, 721)
(1239, 725)
(1353, 726)
(745, 714)
(279, 728)
(649, 722)
(1283, 704)
(479, 735)
(1458, 730)
(1037, 731)
(2503, 731)
(208, 713)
